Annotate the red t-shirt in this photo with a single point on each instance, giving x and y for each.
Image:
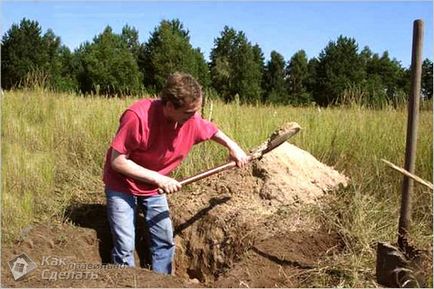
(151, 141)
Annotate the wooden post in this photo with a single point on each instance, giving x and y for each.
(413, 117)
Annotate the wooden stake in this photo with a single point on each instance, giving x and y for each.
(408, 174)
(413, 118)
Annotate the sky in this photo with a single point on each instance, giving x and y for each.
(283, 26)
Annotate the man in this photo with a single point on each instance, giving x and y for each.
(154, 136)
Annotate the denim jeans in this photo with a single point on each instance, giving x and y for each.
(121, 209)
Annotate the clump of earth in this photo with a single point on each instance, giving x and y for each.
(240, 228)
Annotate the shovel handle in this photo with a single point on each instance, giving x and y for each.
(207, 173)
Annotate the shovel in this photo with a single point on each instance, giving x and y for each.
(404, 266)
(278, 137)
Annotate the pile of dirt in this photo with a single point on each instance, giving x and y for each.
(292, 175)
(69, 256)
(225, 215)
(240, 228)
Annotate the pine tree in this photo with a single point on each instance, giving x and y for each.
(107, 66)
(297, 78)
(24, 51)
(169, 50)
(131, 37)
(236, 67)
(274, 78)
(339, 67)
(30, 58)
(386, 80)
(427, 78)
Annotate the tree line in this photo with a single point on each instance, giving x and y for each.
(118, 64)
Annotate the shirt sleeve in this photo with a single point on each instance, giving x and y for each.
(205, 130)
(128, 136)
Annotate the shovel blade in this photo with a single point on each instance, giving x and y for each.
(394, 269)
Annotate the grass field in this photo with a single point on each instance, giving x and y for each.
(53, 148)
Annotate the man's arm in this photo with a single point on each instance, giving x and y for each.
(236, 153)
(121, 164)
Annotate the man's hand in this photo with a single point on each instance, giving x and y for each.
(168, 184)
(239, 156)
(123, 165)
(235, 152)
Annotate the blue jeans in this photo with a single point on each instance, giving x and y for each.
(121, 212)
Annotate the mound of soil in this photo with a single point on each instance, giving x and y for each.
(292, 175)
(240, 228)
(225, 215)
(69, 256)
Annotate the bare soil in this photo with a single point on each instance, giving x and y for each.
(241, 228)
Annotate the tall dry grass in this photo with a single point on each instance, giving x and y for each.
(53, 148)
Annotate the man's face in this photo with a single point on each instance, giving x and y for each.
(184, 113)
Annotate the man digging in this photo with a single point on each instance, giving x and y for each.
(153, 138)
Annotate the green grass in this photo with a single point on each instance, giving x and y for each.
(53, 149)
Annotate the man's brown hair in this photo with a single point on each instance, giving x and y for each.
(179, 89)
